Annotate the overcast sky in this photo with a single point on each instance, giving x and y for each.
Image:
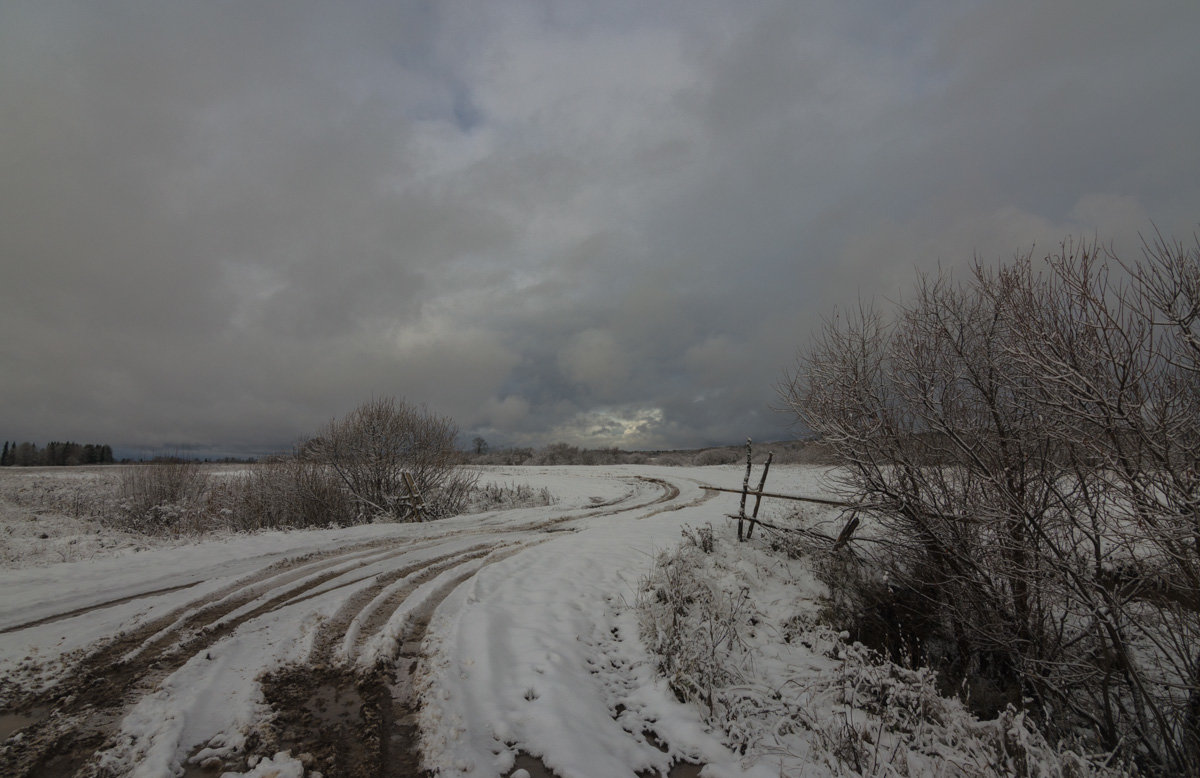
(606, 222)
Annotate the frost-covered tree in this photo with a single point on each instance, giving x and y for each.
(1029, 441)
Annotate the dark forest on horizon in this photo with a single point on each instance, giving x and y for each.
(54, 454)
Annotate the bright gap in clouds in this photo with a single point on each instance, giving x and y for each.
(625, 428)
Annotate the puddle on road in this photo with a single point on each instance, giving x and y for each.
(325, 712)
(335, 705)
(196, 771)
(11, 723)
(343, 723)
(537, 769)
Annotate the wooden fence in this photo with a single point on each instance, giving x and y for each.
(746, 524)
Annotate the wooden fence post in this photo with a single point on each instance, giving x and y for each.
(745, 488)
(416, 502)
(762, 482)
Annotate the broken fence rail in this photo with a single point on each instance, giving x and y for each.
(752, 493)
(741, 517)
(842, 539)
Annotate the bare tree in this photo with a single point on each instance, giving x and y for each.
(1116, 368)
(1029, 442)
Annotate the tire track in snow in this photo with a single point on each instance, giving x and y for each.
(612, 507)
(359, 613)
(79, 713)
(385, 620)
(245, 580)
(359, 719)
(98, 606)
(704, 497)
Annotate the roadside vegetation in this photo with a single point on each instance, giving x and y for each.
(744, 631)
(1026, 442)
(352, 472)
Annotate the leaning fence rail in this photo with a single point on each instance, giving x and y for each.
(746, 524)
(800, 498)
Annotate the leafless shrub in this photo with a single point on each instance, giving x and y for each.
(499, 496)
(845, 709)
(372, 448)
(557, 454)
(352, 473)
(500, 456)
(162, 496)
(452, 495)
(692, 624)
(292, 492)
(1023, 438)
(700, 537)
(717, 456)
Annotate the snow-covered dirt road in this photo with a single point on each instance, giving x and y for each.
(464, 647)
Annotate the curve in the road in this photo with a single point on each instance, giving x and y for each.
(391, 595)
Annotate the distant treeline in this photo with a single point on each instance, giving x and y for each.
(176, 459)
(787, 452)
(55, 454)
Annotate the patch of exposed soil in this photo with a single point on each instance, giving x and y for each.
(340, 718)
(11, 723)
(536, 768)
(359, 723)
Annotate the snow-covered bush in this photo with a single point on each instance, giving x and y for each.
(717, 456)
(693, 623)
(374, 447)
(180, 498)
(162, 496)
(501, 496)
(736, 630)
(289, 492)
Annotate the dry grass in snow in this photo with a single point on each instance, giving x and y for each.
(737, 632)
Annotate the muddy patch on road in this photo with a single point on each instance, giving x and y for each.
(340, 722)
(352, 722)
(527, 766)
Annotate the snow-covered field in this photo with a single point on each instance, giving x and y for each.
(489, 644)
(50, 515)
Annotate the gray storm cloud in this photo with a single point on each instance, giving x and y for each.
(606, 223)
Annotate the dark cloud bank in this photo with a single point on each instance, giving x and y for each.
(223, 223)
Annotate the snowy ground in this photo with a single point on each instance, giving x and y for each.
(50, 515)
(491, 638)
